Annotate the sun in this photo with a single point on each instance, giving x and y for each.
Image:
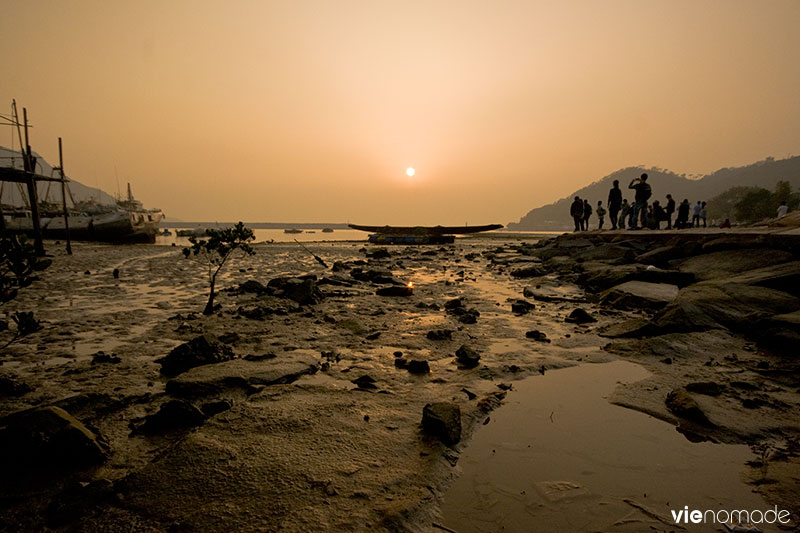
(410, 172)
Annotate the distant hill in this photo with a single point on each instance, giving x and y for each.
(81, 193)
(764, 174)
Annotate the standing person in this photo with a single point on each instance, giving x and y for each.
(703, 213)
(624, 212)
(576, 211)
(783, 210)
(643, 193)
(601, 213)
(696, 214)
(615, 204)
(587, 212)
(658, 214)
(669, 210)
(683, 214)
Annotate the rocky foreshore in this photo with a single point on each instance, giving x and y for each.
(341, 399)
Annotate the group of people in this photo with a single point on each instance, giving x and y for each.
(640, 213)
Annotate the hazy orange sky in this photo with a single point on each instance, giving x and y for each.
(312, 110)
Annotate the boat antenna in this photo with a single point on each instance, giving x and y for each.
(319, 260)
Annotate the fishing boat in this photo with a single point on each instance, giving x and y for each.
(327, 230)
(127, 221)
(292, 230)
(420, 234)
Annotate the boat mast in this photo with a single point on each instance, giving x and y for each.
(64, 195)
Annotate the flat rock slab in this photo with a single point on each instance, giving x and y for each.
(782, 277)
(717, 265)
(209, 380)
(639, 295)
(710, 305)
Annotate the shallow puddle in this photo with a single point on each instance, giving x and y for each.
(559, 457)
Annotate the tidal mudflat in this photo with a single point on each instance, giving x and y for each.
(298, 405)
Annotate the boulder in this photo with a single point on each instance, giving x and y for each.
(202, 350)
(679, 346)
(467, 357)
(723, 264)
(782, 277)
(681, 404)
(609, 253)
(252, 286)
(302, 291)
(11, 385)
(711, 305)
(580, 316)
(537, 335)
(707, 388)
(636, 295)
(416, 366)
(395, 290)
(633, 328)
(442, 420)
(172, 415)
(529, 272)
(660, 256)
(240, 374)
(47, 438)
(521, 307)
(780, 333)
(598, 277)
(440, 335)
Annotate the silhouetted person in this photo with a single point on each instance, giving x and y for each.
(601, 214)
(783, 210)
(669, 210)
(703, 213)
(683, 214)
(659, 214)
(624, 212)
(726, 224)
(643, 193)
(576, 211)
(614, 204)
(587, 212)
(696, 214)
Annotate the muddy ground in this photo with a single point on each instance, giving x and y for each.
(320, 425)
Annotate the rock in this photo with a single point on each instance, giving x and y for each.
(708, 388)
(718, 265)
(102, 357)
(239, 374)
(529, 272)
(782, 277)
(679, 346)
(47, 438)
(598, 277)
(395, 290)
(635, 295)
(633, 328)
(365, 382)
(455, 303)
(373, 336)
(469, 316)
(580, 316)
(710, 305)
(780, 333)
(252, 286)
(172, 415)
(229, 338)
(661, 256)
(10, 385)
(216, 407)
(467, 357)
(202, 350)
(543, 296)
(681, 404)
(537, 335)
(378, 253)
(417, 366)
(442, 420)
(302, 291)
(612, 253)
(521, 307)
(440, 335)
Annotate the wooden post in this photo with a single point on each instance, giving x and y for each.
(64, 195)
(32, 195)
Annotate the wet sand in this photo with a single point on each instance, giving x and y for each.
(312, 453)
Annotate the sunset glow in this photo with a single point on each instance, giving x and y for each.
(410, 172)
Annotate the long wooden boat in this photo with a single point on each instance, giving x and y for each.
(426, 230)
